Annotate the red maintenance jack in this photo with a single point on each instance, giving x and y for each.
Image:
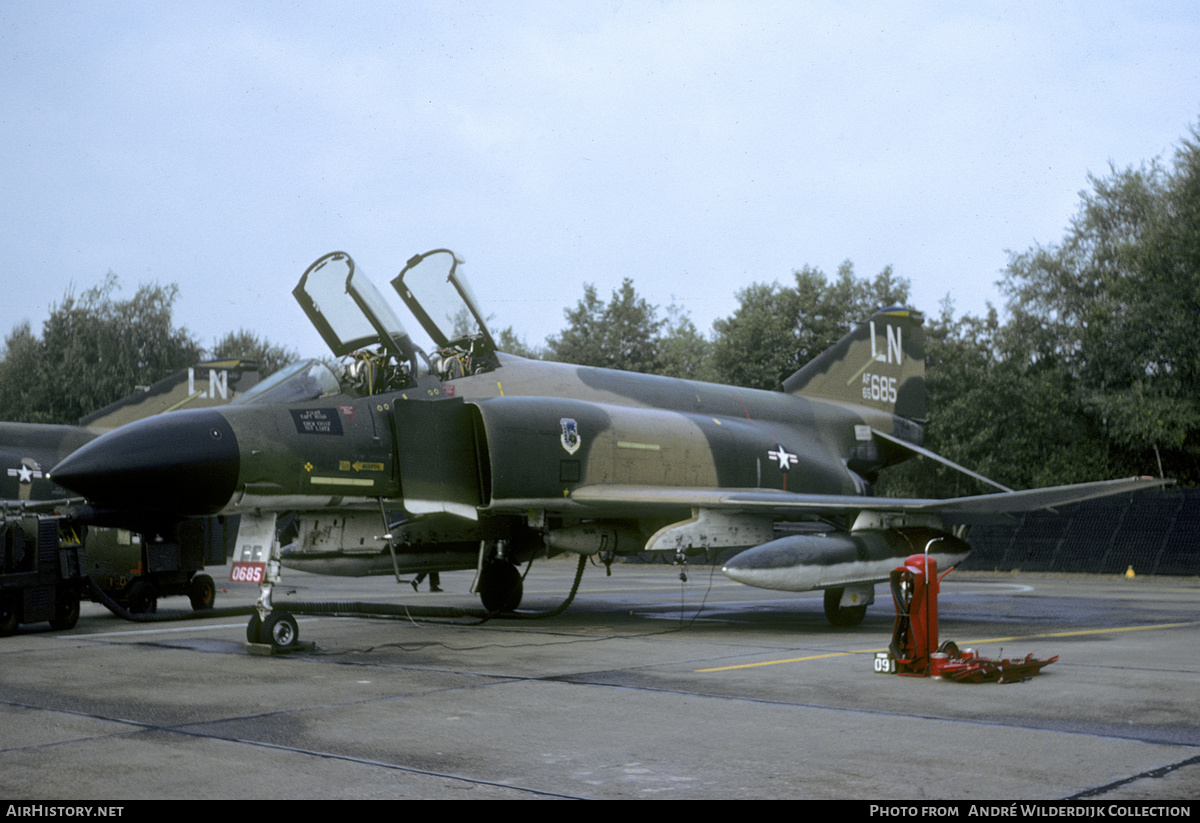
(914, 650)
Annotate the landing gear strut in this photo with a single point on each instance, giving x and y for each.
(267, 626)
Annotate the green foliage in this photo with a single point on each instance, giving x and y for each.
(683, 352)
(1114, 310)
(1096, 374)
(627, 334)
(1018, 425)
(247, 345)
(777, 329)
(22, 393)
(93, 350)
(757, 347)
(622, 334)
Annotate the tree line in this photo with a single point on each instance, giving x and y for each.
(1092, 372)
(95, 349)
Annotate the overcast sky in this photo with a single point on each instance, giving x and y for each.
(696, 147)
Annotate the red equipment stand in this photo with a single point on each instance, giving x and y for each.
(915, 587)
(914, 650)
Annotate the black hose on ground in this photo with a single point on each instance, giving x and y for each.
(340, 608)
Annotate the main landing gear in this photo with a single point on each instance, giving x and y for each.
(500, 586)
(497, 580)
(847, 607)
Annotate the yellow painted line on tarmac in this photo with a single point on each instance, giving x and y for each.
(963, 643)
(792, 660)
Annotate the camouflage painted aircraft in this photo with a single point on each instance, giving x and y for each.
(29, 450)
(461, 456)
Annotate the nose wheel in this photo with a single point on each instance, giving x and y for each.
(279, 631)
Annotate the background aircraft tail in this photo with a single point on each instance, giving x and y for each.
(880, 364)
(212, 383)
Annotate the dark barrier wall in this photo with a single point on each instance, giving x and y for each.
(1154, 532)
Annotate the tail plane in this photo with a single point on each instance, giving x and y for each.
(880, 364)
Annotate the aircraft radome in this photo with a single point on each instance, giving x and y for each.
(467, 457)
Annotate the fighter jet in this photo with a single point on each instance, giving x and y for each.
(456, 455)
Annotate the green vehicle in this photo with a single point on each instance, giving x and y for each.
(41, 571)
(135, 571)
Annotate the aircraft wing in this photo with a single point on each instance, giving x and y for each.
(784, 503)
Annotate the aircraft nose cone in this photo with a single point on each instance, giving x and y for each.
(181, 463)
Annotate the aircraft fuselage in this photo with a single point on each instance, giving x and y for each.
(525, 435)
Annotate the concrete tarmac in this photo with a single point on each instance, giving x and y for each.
(646, 687)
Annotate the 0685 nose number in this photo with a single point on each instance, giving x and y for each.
(247, 572)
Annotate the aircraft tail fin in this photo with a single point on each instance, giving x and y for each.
(212, 383)
(880, 364)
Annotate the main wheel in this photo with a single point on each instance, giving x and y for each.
(66, 612)
(202, 591)
(841, 616)
(142, 598)
(280, 630)
(500, 588)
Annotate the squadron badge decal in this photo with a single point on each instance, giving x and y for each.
(570, 435)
